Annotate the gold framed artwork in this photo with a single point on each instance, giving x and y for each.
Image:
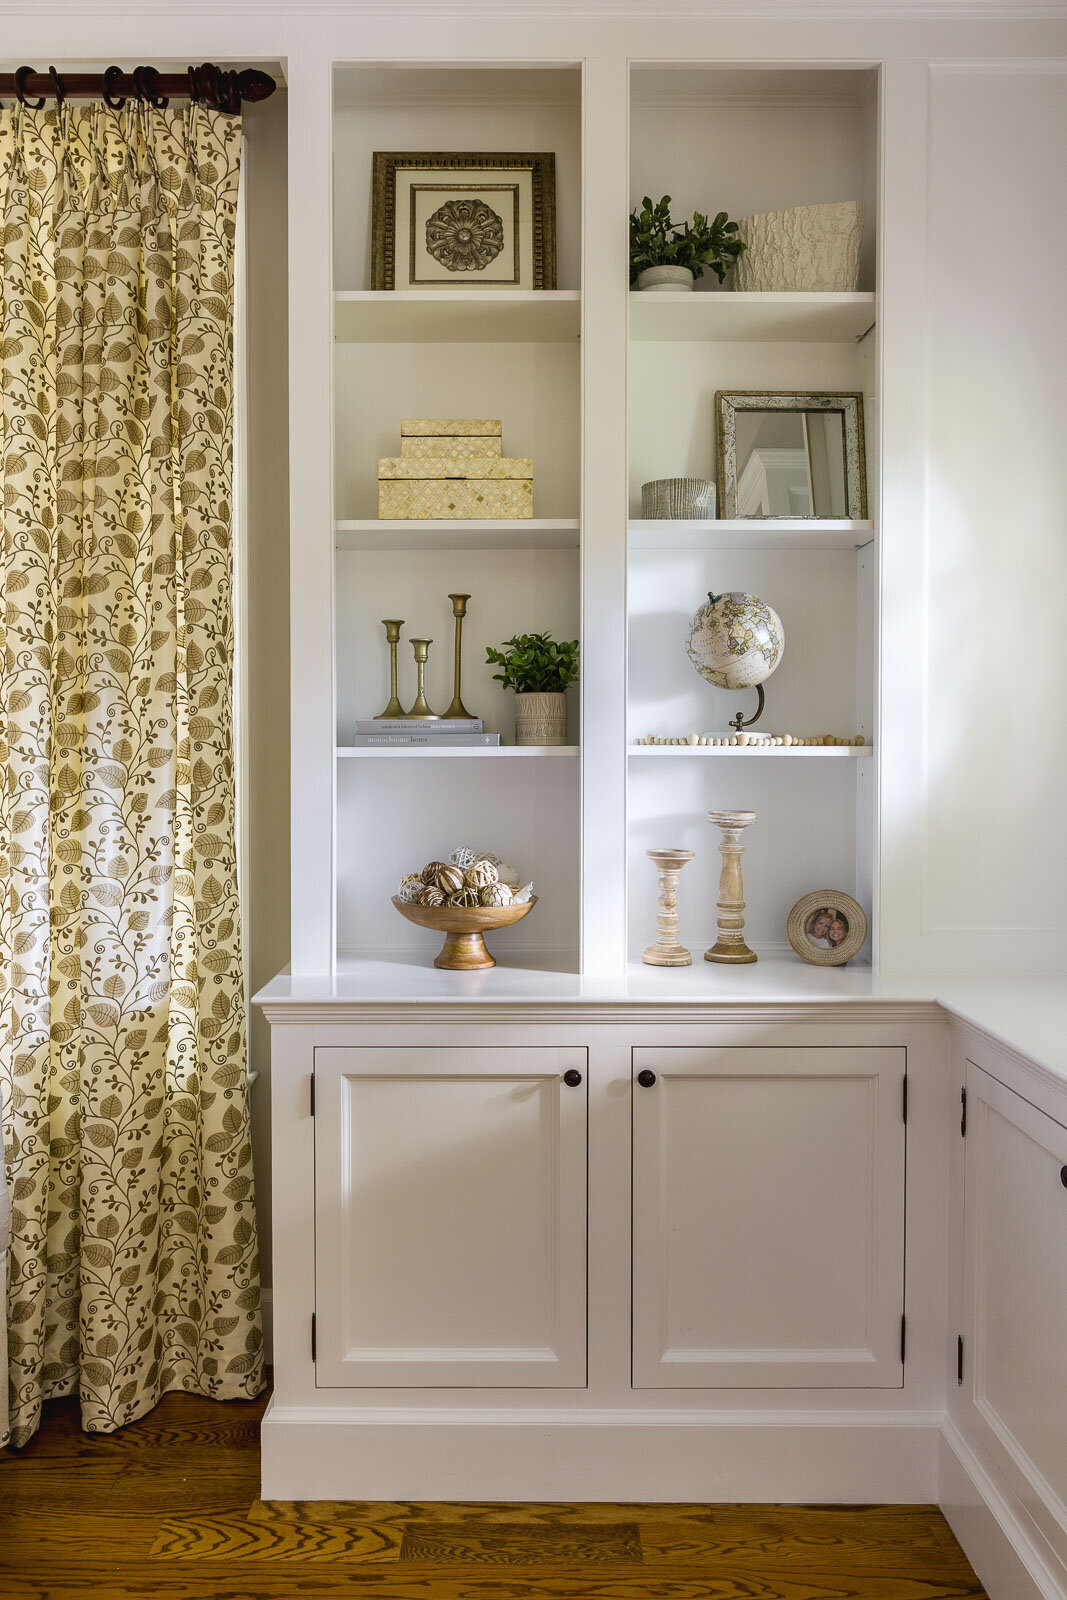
(463, 220)
(827, 927)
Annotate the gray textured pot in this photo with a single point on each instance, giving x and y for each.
(663, 279)
(688, 499)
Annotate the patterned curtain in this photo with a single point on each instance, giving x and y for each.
(122, 1035)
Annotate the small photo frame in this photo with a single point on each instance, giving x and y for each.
(463, 220)
(827, 928)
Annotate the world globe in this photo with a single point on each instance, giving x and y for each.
(735, 641)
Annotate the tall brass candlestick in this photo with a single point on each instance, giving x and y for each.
(459, 611)
(421, 648)
(730, 944)
(392, 633)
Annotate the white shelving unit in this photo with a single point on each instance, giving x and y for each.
(456, 316)
(770, 318)
(825, 533)
(752, 752)
(462, 753)
(530, 534)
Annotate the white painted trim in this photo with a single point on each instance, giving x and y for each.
(646, 1456)
(266, 1306)
(337, 1013)
(990, 1524)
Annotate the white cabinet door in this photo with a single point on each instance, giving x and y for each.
(450, 1217)
(768, 1218)
(1015, 1337)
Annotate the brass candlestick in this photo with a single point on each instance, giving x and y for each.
(730, 945)
(459, 611)
(392, 633)
(420, 709)
(667, 950)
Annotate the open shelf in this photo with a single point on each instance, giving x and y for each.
(529, 533)
(466, 752)
(821, 752)
(794, 318)
(455, 316)
(749, 533)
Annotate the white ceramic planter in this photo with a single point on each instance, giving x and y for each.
(809, 248)
(540, 718)
(664, 279)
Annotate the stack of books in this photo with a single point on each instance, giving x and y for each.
(439, 732)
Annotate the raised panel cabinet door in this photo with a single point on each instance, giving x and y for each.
(1015, 1340)
(450, 1217)
(768, 1229)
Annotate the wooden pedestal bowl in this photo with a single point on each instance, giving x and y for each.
(464, 948)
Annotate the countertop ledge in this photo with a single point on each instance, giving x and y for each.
(1026, 1017)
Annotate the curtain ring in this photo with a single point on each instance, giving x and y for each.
(57, 86)
(145, 80)
(20, 90)
(111, 100)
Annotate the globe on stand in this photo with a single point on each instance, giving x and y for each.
(736, 641)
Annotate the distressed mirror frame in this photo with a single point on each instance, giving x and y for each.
(729, 402)
(541, 165)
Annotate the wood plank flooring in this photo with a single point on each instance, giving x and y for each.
(169, 1508)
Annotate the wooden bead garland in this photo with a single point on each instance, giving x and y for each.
(753, 740)
(494, 894)
(481, 874)
(431, 895)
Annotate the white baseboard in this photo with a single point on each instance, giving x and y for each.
(336, 1454)
(997, 1537)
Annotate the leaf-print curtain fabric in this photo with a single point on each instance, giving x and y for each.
(122, 1037)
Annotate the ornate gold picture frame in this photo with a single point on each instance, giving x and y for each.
(463, 220)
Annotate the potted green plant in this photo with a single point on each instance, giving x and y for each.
(538, 668)
(667, 255)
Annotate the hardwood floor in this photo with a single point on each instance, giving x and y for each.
(170, 1508)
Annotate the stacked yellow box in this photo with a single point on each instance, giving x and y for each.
(453, 468)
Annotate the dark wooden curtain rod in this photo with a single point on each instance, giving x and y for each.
(209, 85)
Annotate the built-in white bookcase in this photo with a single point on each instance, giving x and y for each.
(453, 353)
(742, 141)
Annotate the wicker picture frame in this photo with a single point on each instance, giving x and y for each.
(814, 943)
(392, 233)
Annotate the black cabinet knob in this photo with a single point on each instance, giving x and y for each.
(646, 1078)
(572, 1077)
(1063, 1176)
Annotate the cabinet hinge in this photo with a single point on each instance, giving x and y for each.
(905, 1106)
(963, 1112)
(903, 1338)
(312, 1094)
(314, 1341)
(959, 1358)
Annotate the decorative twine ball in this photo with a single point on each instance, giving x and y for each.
(462, 856)
(450, 879)
(430, 871)
(431, 895)
(495, 894)
(487, 855)
(464, 897)
(507, 874)
(410, 888)
(481, 874)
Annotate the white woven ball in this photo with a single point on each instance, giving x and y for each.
(482, 873)
(487, 855)
(410, 885)
(462, 856)
(495, 894)
(507, 874)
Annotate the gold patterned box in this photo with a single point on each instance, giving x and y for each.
(454, 499)
(450, 466)
(450, 426)
(417, 447)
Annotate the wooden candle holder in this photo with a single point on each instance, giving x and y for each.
(730, 946)
(667, 951)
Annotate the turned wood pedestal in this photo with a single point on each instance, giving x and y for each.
(667, 951)
(730, 945)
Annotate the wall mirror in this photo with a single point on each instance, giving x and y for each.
(791, 455)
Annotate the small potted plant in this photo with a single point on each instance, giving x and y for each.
(665, 255)
(538, 668)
